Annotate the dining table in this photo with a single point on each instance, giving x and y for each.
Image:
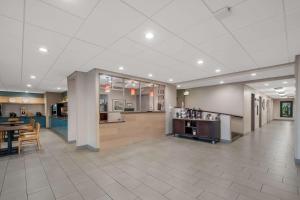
(12, 123)
(10, 130)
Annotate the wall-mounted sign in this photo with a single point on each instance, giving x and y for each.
(286, 109)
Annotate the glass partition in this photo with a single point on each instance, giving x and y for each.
(127, 95)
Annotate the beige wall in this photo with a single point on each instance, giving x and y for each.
(223, 98)
(276, 109)
(268, 110)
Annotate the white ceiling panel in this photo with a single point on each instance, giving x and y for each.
(253, 11)
(127, 47)
(75, 55)
(79, 8)
(37, 63)
(204, 31)
(10, 51)
(182, 14)
(226, 50)
(12, 8)
(110, 21)
(49, 17)
(148, 7)
(215, 5)
(159, 33)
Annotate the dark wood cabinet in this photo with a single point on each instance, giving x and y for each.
(197, 128)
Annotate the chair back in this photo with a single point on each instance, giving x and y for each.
(37, 129)
(32, 122)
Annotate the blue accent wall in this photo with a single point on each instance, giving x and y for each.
(20, 94)
(59, 126)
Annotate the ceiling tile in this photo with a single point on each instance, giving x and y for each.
(75, 55)
(12, 8)
(110, 21)
(291, 5)
(79, 8)
(38, 63)
(48, 17)
(10, 51)
(253, 11)
(215, 5)
(181, 14)
(226, 50)
(127, 47)
(159, 33)
(204, 31)
(148, 7)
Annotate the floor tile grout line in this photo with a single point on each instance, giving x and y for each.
(4, 177)
(90, 177)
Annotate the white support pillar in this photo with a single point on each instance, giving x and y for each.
(83, 118)
(297, 104)
(170, 103)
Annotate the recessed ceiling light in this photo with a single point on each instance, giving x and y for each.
(178, 86)
(221, 82)
(43, 50)
(285, 82)
(121, 68)
(266, 84)
(171, 80)
(200, 62)
(149, 35)
(150, 75)
(217, 70)
(26, 91)
(29, 85)
(33, 77)
(58, 88)
(253, 74)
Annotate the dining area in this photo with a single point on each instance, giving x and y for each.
(16, 135)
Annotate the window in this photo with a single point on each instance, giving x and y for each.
(120, 94)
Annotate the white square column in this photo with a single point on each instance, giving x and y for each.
(297, 104)
(83, 108)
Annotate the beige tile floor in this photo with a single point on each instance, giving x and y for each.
(257, 166)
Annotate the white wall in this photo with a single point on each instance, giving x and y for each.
(223, 98)
(276, 109)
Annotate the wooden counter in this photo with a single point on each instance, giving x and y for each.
(197, 128)
(135, 127)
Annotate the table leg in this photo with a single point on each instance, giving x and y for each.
(9, 141)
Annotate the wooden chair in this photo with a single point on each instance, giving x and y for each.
(2, 137)
(30, 137)
(30, 127)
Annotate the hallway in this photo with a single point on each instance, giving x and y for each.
(258, 166)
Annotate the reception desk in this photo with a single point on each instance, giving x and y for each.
(133, 128)
(197, 128)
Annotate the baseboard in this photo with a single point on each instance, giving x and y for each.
(88, 147)
(225, 141)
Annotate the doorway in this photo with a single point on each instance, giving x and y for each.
(259, 112)
(252, 112)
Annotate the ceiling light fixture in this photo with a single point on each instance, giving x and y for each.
(200, 62)
(28, 85)
(26, 91)
(32, 77)
(266, 84)
(58, 88)
(221, 82)
(178, 86)
(285, 82)
(149, 35)
(121, 68)
(150, 75)
(43, 50)
(170, 80)
(253, 74)
(217, 70)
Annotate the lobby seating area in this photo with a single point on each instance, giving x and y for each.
(257, 166)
